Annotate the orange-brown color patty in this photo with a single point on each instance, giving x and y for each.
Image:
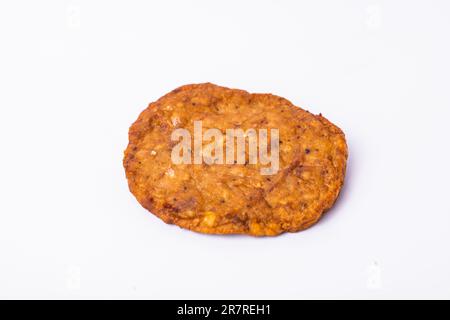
(235, 199)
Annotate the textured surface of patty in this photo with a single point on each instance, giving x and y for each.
(235, 198)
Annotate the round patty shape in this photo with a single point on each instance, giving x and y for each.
(235, 198)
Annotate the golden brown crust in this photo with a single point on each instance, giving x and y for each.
(235, 199)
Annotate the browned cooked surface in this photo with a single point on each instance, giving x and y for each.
(235, 199)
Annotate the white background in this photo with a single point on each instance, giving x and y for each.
(75, 74)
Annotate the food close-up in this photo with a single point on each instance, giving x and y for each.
(235, 197)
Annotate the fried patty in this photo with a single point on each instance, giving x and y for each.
(235, 198)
